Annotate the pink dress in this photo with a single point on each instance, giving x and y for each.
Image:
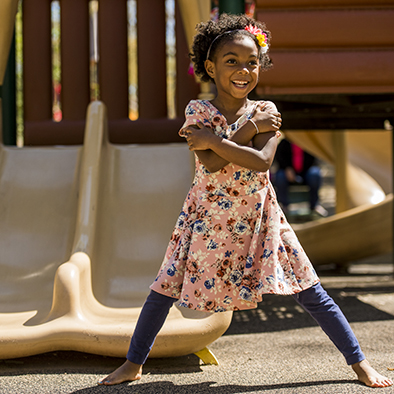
(231, 242)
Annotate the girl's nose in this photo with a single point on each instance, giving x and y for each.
(243, 70)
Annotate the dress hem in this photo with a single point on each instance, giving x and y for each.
(251, 304)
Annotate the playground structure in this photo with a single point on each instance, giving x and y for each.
(82, 230)
(59, 240)
(338, 80)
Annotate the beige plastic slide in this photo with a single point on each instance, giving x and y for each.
(363, 225)
(83, 231)
(112, 209)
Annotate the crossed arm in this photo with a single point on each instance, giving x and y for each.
(245, 148)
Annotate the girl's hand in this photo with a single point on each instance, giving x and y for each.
(266, 118)
(199, 137)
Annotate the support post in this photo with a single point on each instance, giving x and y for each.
(8, 96)
(392, 187)
(342, 203)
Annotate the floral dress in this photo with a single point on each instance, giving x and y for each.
(231, 242)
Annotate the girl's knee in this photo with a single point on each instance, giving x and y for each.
(313, 296)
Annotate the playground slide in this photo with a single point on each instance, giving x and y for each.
(351, 235)
(366, 229)
(82, 233)
(76, 267)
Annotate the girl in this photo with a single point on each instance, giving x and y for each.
(232, 243)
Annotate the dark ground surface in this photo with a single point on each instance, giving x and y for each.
(276, 348)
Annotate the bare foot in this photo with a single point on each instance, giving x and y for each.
(125, 373)
(366, 374)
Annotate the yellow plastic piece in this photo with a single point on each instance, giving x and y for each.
(207, 357)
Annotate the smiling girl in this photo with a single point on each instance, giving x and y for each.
(232, 243)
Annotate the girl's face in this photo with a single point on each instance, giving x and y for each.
(235, 68)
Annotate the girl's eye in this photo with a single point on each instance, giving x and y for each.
(253, 62)
(231, 61)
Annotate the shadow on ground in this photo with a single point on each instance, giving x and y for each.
(278, 313)
(206, 387)
(274, 314)
(76, 363)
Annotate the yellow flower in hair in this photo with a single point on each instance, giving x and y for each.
(261, 38)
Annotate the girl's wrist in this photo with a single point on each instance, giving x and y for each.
(214, 140)
(254, 125)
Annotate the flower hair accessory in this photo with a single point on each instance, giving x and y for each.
(260, 35)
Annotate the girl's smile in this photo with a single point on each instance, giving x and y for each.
(241, 84)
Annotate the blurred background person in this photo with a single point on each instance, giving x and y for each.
(297, 167)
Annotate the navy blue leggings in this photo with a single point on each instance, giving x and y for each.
(333, 322)
(151, 319)
(314, 300)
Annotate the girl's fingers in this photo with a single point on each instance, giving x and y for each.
(276, 122)
(278, 119)
(188, 130)
(259, 107)
(191, 148)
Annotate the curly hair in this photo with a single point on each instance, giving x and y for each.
(208, 34)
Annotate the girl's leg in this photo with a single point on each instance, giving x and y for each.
(328, 315)
(152, 317)
(151, 320)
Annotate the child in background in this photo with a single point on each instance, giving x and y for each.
(232, 243)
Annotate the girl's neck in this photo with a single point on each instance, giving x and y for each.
(231, 108)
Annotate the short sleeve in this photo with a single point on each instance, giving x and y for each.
(194, 113)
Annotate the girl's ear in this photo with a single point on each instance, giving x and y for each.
(210, 68)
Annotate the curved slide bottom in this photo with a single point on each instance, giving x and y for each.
(354, 234)
(78, 322)
(52, 207)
